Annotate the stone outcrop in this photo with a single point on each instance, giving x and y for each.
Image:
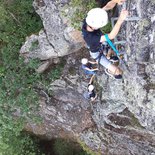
(58, 37)
(122, 120)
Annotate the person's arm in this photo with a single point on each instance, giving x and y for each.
(93, 62)
(110, 5)
(93, 69)
(91, 80)
(115, 30)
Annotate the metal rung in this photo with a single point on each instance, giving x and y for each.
(120, 42)
(122, 52)
(127, 19)
(124, 6)
(134, 18)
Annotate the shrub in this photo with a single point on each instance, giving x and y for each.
(18, 98)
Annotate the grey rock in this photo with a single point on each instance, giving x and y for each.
(122, 119)
(57, 38)
(43, 67)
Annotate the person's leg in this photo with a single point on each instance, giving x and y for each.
(110, 53)
(91, 79)
(115, 70)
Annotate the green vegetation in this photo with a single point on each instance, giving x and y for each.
(87, 149)
(22, 144)
(17, 79)
(34, 45)
(135, 122)
(66, 147)
(81, 8)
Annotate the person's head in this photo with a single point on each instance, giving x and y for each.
(84, 61)
(90, 87)
(96, 18)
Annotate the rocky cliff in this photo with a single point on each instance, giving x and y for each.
(122, 120)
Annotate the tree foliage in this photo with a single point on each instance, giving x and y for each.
(81, 7)
(18, 98)
(66, 147)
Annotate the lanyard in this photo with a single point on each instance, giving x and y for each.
(111, 44)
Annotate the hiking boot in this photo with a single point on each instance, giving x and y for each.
(118, 76)
(114, 59)
(111, 75)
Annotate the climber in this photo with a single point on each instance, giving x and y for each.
(91, 93)
(87, 66)
(93, 36)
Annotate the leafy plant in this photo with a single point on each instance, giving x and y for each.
(17, 145)
(3, 15)
(34, 45)
(17, 96)
(66, 147)
(87, 149)
(80, 11)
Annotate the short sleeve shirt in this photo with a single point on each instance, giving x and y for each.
(92, 39)
(88, 65)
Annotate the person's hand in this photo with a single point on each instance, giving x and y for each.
(119, 2)
(123, 15)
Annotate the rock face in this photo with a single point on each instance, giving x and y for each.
(122, 120)
(58, 37)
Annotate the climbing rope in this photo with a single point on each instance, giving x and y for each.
(117, 52)
(112, 45)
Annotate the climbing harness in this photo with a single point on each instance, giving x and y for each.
(116, 51)
(102, 52)
(112, 45)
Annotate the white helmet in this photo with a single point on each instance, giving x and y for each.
(97, 18)
(84, 61)
(90, 87)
